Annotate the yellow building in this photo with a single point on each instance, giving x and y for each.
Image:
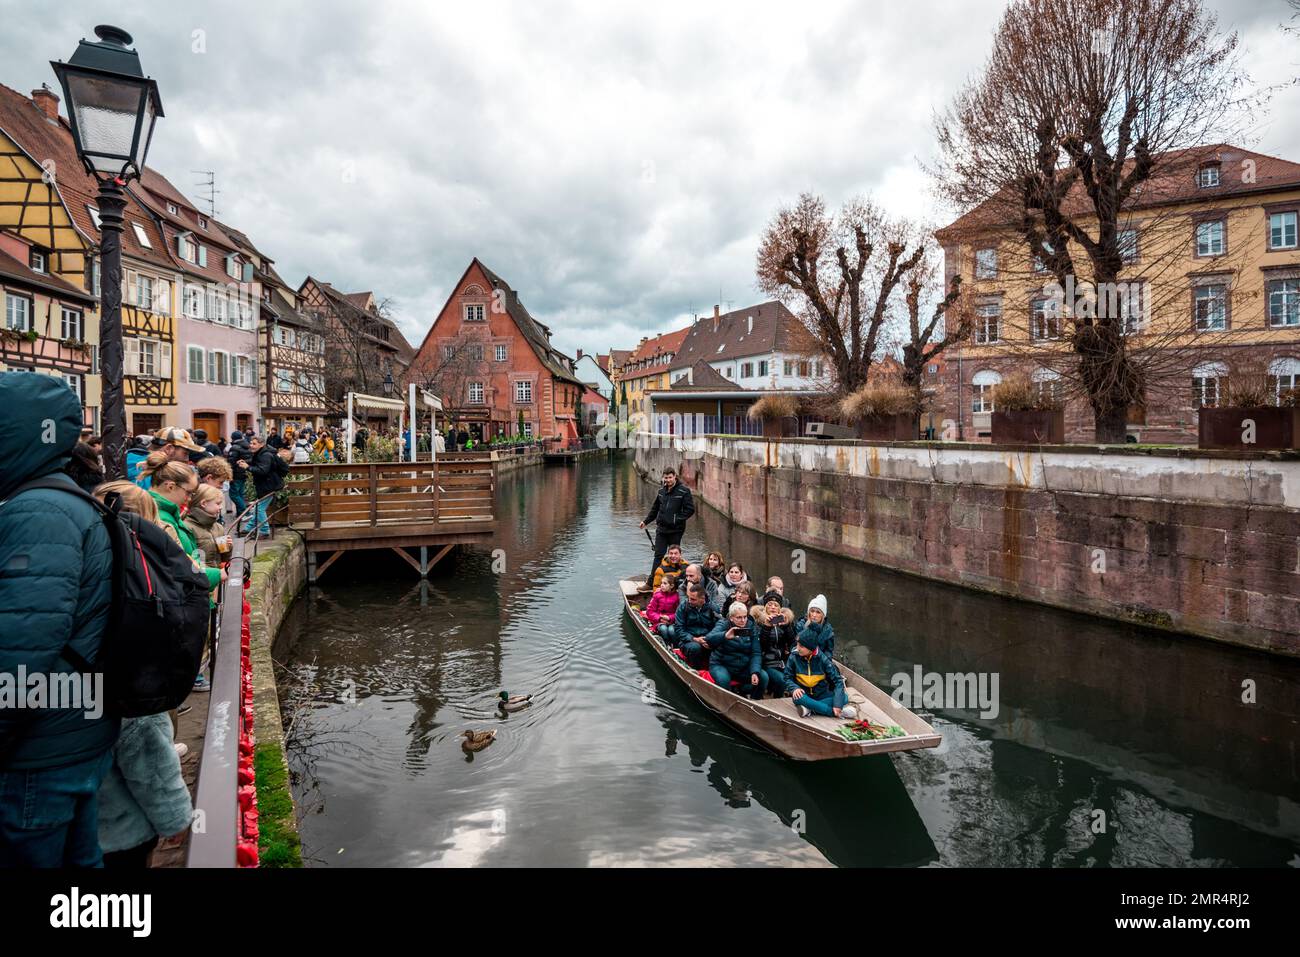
(645, 371)
(47, 201)
(1209, 291)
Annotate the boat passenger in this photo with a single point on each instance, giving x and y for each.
(816, 619)
(776, 633)
(814, 682)
(672, 564)
(714, 567)
(662, 609)
(695, 573)
(732, 580)
(695, 619)
(736, 654)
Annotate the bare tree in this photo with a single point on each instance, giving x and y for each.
(1086, 110)
(826, 269)
(926, 339)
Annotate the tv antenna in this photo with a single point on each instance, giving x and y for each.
(207, 185)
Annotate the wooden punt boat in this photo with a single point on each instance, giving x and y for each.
(776, 722)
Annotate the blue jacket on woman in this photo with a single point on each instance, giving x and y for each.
(816, 675)
(143, 795)
(55, 581)
(824, 630)
(741, 656)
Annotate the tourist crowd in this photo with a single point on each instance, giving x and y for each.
(78, 784)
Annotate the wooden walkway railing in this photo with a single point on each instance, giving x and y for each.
(338, 507)
(422, 493)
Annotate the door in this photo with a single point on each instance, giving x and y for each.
(210, 424)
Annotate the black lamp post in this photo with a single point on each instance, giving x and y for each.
(112, 107)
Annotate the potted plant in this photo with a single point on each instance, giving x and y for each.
(883, 411)
(1248, 420)
(779, 414)
(1026, 414)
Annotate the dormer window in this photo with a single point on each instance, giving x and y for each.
(141, 236)
(39, 260)
(203, 223)
(1207, 176)
(171, 208)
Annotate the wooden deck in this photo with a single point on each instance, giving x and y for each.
(393, 505)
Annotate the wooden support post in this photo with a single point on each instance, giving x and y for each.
(315, 490)
(328, 562)
(439, 557)
(424, 558)
(408, 559)
(374, 495)
(311, 567)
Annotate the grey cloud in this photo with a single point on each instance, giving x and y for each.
(615, 164)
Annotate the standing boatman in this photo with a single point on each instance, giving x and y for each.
(672, 507)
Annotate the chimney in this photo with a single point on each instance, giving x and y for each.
(47, 102)
(579, 353)
(716, 316)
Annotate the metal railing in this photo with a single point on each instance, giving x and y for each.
(215, 832)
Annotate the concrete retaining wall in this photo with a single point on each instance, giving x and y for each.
(509, 462)
(279, 573)
(1203, 544)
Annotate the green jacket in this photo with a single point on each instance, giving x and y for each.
(55, 566)
(170, 513)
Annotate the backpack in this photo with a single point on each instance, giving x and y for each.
(158, 621)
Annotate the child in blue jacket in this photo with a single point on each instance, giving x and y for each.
(736, 653)
(143, 796)
(814, 682)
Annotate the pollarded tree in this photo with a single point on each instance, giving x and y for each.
(1085, 110)
(840, 274)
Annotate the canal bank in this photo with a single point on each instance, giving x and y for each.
(279, 571)
(615, 764)
(1187, 542)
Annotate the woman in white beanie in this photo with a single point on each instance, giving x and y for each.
(816, 621)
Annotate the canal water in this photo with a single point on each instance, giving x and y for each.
(1112, 746)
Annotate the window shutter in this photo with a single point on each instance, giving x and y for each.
(203, 255)
(130, 356)
(248, 272)
(164, 360)
(212, 366)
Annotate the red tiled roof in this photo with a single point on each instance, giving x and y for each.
(730, 335)
(668, 342)
(22, 274)
(43, 140)
(702, 378)
(1173, 181)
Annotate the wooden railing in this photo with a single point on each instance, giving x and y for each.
(458, 488)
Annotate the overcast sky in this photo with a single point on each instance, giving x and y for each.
(614, 162)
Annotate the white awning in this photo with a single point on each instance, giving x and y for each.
(363, 401)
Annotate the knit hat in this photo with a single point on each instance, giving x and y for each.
(236, 435)
(819, 603)
(811, 638)
(773, 595)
